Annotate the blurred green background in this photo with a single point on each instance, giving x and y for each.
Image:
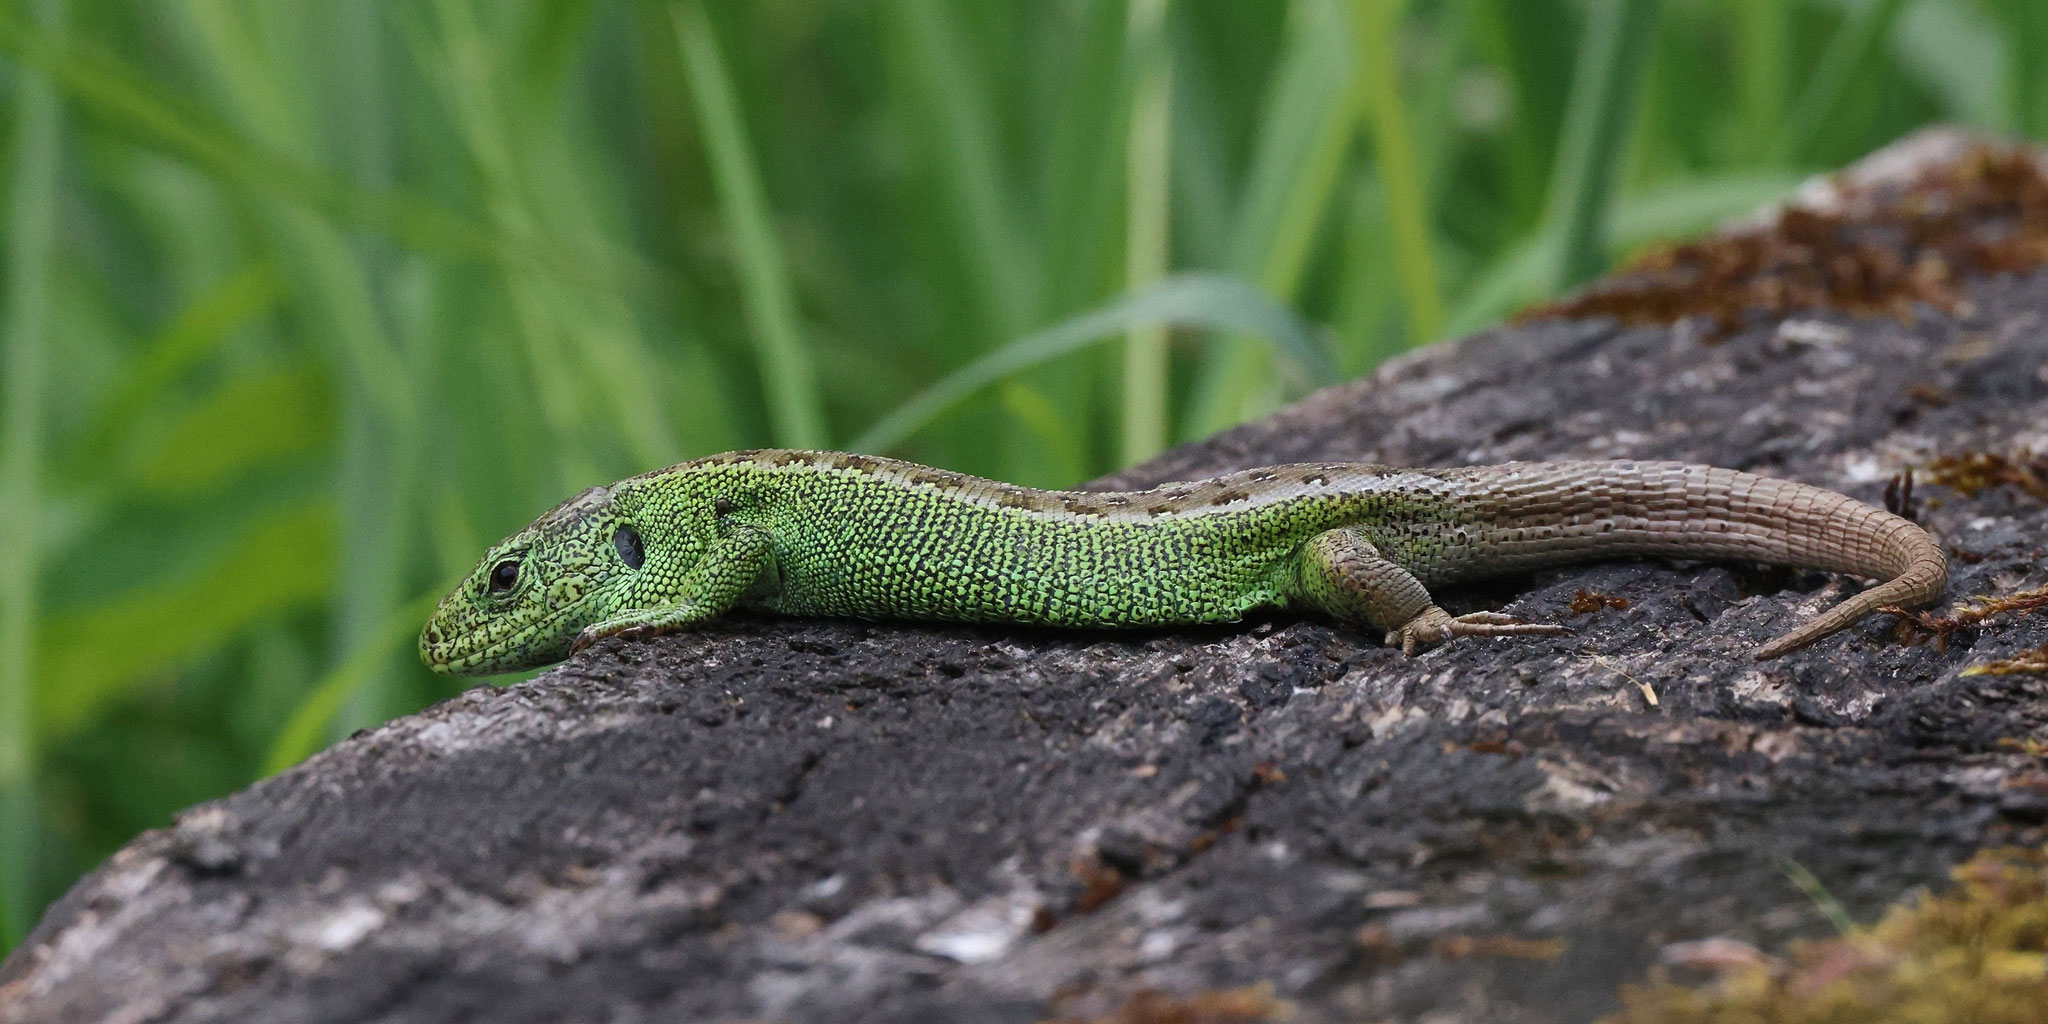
(306, 302)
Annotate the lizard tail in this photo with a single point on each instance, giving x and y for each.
(1550, 513)
(1918, 574)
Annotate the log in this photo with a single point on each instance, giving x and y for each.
(814, 821)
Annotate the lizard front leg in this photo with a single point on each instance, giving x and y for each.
(709, 589)
(1342, 575)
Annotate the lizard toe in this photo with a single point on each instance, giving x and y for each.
(1499, 624)
(1428, 628)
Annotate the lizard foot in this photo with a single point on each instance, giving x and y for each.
(592, 634)
(1434, 626)
(635, 626)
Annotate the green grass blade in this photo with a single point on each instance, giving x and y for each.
(1310, 116)
(194, 334)
(1764, 49)
(1953, 47)
(1852, 49)
(359, 94)
(1681, 208)
(1521, 275)
(580, 371)
(1435, 105)
(139, 106)
(1200, 170)
(1816, 892)
(1199, 300)
(1509, 36)
(309, 724)
(547, 44)
(2026, 25)
(1042, 416)
(1408, 202)
(336, 286)
(795, 412)
(994, 242)
(244, 424)
(1366, 318)
(1305, 116)
(590, 365)
(1081, 141)
(32, 195)
(1604, 88)
(1145, 248)
(283, 561)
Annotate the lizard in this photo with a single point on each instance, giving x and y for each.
(813, 533)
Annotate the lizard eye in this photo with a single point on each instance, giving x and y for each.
(504, 575)
(627, 541)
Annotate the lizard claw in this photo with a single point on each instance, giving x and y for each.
(633, 633)
(1433, 626)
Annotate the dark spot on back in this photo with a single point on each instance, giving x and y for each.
(1234, 494)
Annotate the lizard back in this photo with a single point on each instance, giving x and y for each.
(874, 537)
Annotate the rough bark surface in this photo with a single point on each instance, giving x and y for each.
(838, 821)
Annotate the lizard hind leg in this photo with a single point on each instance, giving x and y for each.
(1341, 574)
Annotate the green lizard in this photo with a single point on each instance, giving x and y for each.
(825, 533)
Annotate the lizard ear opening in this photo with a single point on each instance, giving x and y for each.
(627, 541)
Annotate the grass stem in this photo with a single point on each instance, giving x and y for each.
(32, 216)
(1408, 206)
(1145, 248)
(1612, 54)
(796, 416)
(1852, 49)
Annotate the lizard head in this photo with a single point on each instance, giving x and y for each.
(533, 592)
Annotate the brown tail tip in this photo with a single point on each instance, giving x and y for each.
(1780, 647)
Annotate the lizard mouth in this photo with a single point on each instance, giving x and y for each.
(482, 650)
(453, 657)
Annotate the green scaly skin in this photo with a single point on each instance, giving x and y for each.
(824, 533)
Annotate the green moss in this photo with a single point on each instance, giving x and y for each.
(1977, 954)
